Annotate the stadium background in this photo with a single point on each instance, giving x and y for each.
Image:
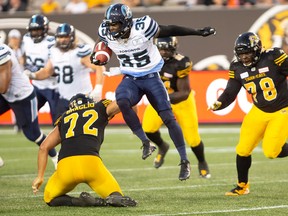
(211, 55)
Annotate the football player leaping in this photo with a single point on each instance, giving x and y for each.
(71, 63)
(263, 74)
(175, 76)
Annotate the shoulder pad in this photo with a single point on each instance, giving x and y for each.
(105, 102)
(5, 54)
(83, 50)
(50, 38)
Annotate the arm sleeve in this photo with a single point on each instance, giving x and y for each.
(174, 30)
(230, 93)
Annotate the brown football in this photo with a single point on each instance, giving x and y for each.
(102, 52)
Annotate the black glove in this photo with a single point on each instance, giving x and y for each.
(95, 61)
(206, 31)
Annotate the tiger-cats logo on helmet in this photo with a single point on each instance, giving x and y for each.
(254, 40)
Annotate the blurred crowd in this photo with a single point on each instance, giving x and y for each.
(83, 6)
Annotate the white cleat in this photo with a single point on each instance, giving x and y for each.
(1, 162)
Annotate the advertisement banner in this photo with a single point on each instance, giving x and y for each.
(207, 85)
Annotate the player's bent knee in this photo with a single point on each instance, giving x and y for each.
(123, 104)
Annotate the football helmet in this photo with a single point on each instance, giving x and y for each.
(38, 22)
(167, 46)
(248, 42)
(65, 30)
(118, 13)
(79, 99)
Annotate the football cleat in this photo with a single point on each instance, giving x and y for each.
(148, 149)
(120, 201)
(204, 170)
(89, 200)
(241, 189)
(1, 162)
(185, 170)
(159, 159)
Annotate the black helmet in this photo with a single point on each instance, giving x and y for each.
(79, 99)
(118, 13)
(38, 22)
(248, 42)
(64, 30)
(167, 43)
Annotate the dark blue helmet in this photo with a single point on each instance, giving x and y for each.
(65, 30)
(248, 42)
(118, 13)
(79, 99)
(38, 22)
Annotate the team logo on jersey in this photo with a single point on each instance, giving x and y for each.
(244, 75)
(263, 70)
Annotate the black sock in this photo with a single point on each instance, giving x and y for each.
(243, 165)
(199, 152)
(284, 152)
(156, 138)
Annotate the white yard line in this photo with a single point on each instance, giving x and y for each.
(223, 211)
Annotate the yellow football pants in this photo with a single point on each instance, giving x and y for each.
(271, 128)
(74, 170)
(186, 115)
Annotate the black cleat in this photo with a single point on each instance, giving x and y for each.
(120, 201)
(159, 159)
(89, 200)
(148, 148)
(184, 170)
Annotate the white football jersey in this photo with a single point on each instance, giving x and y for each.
(37, 55)
(73, 77)
(20, 86)
(138, 56)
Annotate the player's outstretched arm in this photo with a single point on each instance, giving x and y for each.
(174, 30)
(52, 140)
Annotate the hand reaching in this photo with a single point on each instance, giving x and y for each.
(206, 31)
(215, 106)
(95, 61)
(36, 184)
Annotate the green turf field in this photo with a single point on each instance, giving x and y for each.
(158, 191)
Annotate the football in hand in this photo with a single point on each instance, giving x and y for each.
(102, 52)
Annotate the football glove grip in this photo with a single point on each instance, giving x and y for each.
(96, 93)
(206, 31)
(95, 61)
(215, 106)
(29, 74)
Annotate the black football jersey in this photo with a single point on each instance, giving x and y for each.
(82, 129)
(177, 67)
(265, 82)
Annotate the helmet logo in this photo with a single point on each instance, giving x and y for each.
(254, 40)
(126, 11)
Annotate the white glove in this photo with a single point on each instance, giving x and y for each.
(113, 71)
(216, 105)
(29, 74)
(96, 93)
